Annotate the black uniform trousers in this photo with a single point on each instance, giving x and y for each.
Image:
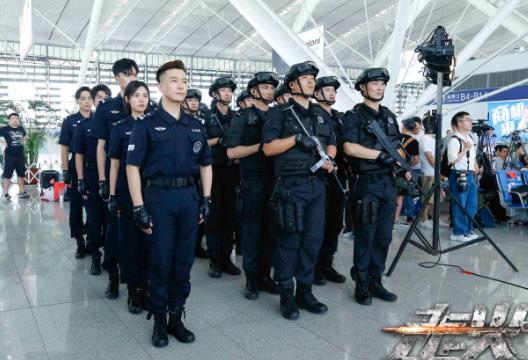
(256, 237)
(76, 204)
(222, 223)
(373, 232)
(299, 204)
(95, 211)
(133, 250)
(111, 236)
(175, 215)
(335, 207)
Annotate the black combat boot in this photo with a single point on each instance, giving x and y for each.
(112, 290)
(159, 334)
(288, 306)
(95, 269)
(305, 299)
(134, 300)
(176, 327)
(362, 293)
(331, 274)
(377, 290)
(214, 266)
(319, 278)
(81, 248)
(266, 283)
(229, 268)
(252, 289)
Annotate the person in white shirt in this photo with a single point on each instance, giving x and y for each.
(461, 154)
(501, 154)
(427, 153)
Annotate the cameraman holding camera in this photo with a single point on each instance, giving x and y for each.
(461, 156)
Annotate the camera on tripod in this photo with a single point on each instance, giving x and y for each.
(480, 127)
(437, 53)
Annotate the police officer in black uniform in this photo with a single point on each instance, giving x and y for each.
(170, 148)
(374, 195)
(107, 113)
(282, 95)
(299, 193)
(84, 146)
(244, 100)
(245, 144)
(220, 230)
(192, 106)
(69, 175)
(133, 249)
(325, 94)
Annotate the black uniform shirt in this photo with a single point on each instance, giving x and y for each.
(84, 143)
(107, 113)
(118, 146)
(214, 130)
(167, 147)
(68, 127)
(14, 138)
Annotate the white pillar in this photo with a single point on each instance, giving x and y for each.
(396, 46)
(90, 40)
(470, 49)
(288, 44)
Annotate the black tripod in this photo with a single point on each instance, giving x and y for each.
(423, 244)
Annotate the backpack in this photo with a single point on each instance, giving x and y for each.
(445, 168)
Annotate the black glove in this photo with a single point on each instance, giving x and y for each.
(81, 186)
(222, 141)
(113, 205)
(400, 172)
(306, 142)
(66, 177)
(386, 159)
(141, 217)
(104, 190)
(205, 207)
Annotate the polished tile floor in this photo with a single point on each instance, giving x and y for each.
(51, 308)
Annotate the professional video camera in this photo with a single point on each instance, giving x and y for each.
(437, 53)
(480, 127)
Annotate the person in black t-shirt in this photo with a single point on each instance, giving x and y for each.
(14, 137)
(411, 153)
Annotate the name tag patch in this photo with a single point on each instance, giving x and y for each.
(197, 146)
(196, 130)
(131, 147)
(128, 133)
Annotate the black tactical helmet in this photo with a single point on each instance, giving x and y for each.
(324, 81)
(263, 77)
(194, 94)
(372, 74)
(281, 90)
(244, 94)
(223, 81)
(296, 70)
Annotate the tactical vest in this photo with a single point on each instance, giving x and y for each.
(389, 124)
(296, 161)
(256, 164)
(218, 151)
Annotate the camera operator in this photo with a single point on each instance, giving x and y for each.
(461, 155)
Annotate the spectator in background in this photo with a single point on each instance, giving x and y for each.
(501, 154)
(522, 158)
(449, 133)
(14, 136)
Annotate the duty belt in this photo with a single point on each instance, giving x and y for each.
(171, 182)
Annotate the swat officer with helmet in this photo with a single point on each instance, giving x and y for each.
(374, 195)
(244, 100)
(282, 95)
(325, 94)
(245, 144)
(299, 193)
(221, 225)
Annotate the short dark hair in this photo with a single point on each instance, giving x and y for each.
(500, 147)
(100, 87)
(175, 64)
(124, 66)
(13, 114)
(130, 90)
(409, 124)
(457, 117)
(81, 90)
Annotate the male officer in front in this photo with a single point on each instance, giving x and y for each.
(170, 149)
(325, 94)
(245, 143)
(107, 113)
(375, 193)
(220, 230)
(69, 174)
(299, 193)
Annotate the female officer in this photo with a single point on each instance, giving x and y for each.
(133, 252)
